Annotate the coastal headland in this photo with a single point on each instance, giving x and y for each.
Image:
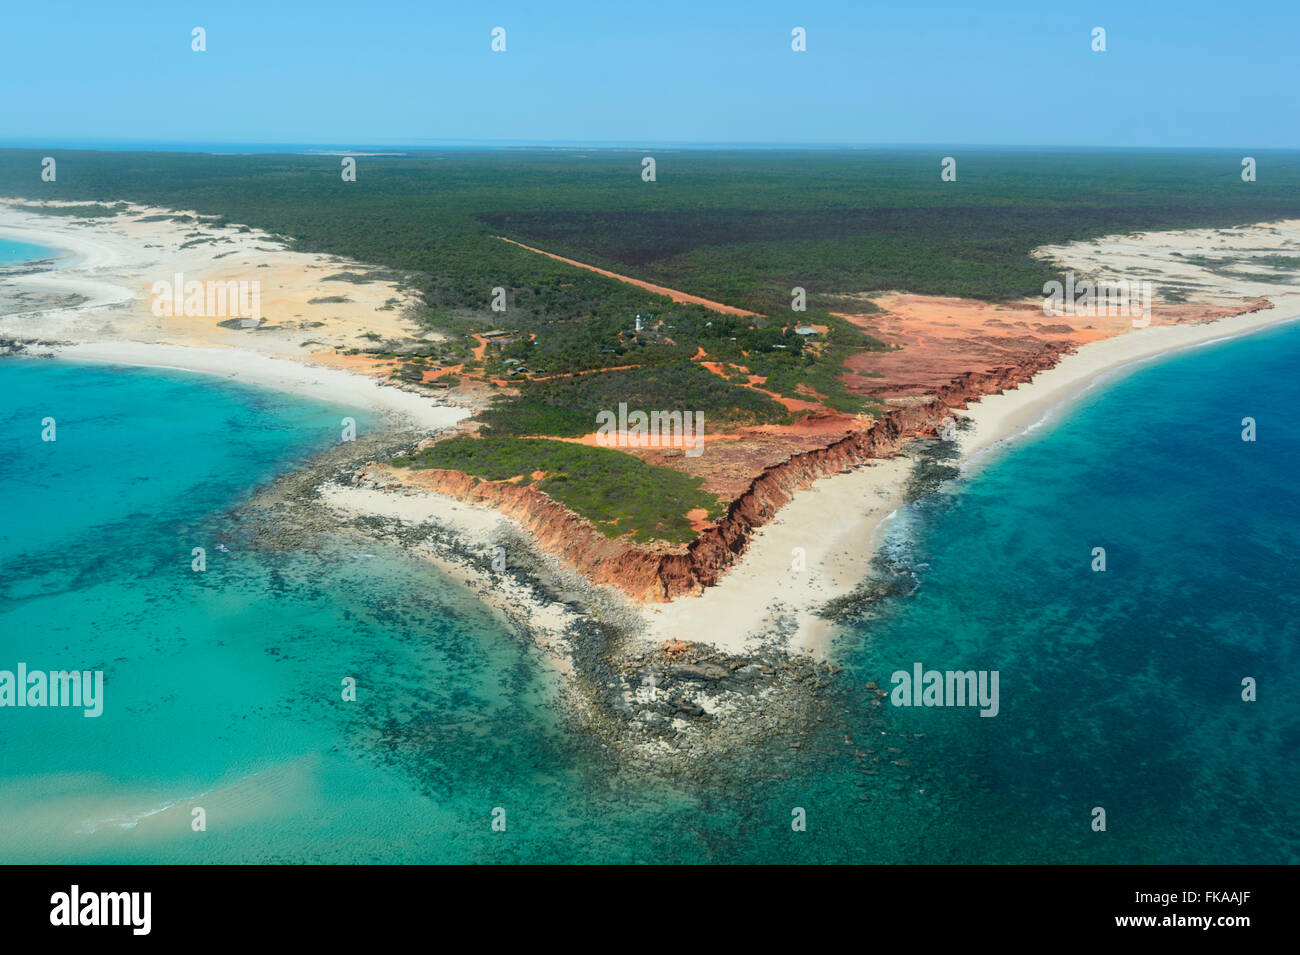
(734, 594)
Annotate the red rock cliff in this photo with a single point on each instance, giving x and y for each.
(648, 573)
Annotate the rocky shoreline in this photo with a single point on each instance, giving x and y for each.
(11, 347)
(669, 708)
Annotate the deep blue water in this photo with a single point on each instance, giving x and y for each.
(1119, 690)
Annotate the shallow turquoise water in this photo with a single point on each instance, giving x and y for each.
(223, 688)
(1119, 689)
(12, 251)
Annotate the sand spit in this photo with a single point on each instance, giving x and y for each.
(96, 301)
(674, 713)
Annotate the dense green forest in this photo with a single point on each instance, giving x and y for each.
(743, 227)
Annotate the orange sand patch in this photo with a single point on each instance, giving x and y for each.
(357, 364)
(698, 517)
(374, 367)
(791, 404)
(432, 374)
(818, 423)
(942, 338)
(682, 297)
(598, 440)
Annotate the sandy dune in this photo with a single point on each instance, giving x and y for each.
(109, 265)
(117, 259)
(1211, 266)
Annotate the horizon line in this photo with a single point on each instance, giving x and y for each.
(147, 145)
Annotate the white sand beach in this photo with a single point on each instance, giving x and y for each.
(999, 419)
(97, 301)
(331, 386)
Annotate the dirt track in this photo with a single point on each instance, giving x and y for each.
(673, 294)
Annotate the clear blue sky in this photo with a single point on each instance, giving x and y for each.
(365, 72)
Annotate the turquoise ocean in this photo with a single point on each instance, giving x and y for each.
(1118, 689)
(13, 252)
